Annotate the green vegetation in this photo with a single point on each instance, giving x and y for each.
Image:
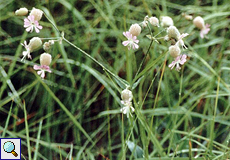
(74, 113)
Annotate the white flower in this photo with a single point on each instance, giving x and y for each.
(199, 23)
(30, 24)
(34, 44)
(132, 41)
(45, 60)
(42, 69)
(127, 109)
(180, 41)
(180, 60)
(127, 96)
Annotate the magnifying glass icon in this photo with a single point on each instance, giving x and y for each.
(9, 147)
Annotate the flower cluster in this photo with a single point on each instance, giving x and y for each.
(45, 60)
(33, 45)
(32, 23)
(135, 31)
(174, 50)
(127, 96)
(173, 35)
(204, 28)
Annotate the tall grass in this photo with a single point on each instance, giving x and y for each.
(74, 113)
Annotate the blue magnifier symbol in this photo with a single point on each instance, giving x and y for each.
(9, 147)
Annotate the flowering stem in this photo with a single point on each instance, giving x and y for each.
(86, 54)
(93, 59)
(150, 86)
(53, 38)
(128, 67)
(122, 137)
(53, 24)
(113, 82)
(158, 90)
(181, 81)
(138, 71)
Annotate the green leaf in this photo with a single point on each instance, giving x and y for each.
(136, 150)
(137, 82)
(121, 82)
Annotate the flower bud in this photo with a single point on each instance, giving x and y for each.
(174, 51)
(45, 59)
(144, 24)
(126, 95)
(146, 18)
(21, 12)
(47, 45)
(135, 29)
(166, 21)
(173, 32)
(34, 43)
(199, 22)
(37, 13)
(188, 17)
(154, 21)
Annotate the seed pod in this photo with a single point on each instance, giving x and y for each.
(34, 43)
(173, 32)
(174, 51)
(166, 21)
(126, 95)
(199, 22)
(154, 21)
(135, 29)
(37, 13)
(188, 17)
(21, 12)
(45, 59)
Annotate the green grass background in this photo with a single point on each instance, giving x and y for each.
(75, 112)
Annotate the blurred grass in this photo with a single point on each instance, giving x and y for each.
(75, 112)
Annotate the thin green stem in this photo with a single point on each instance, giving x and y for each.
(52, 38)
(93, 59)
(143, 60)
(151, 42)
(27, 132)
(53, 24)
(113, 81)
(150, 86)
(38, 139)
(128, 67)
(68, 113)
(174, 118)
(212, 132)
(7, 121)
(122, 137)
(158, 90)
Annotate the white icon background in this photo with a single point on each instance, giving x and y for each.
(5, 155)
